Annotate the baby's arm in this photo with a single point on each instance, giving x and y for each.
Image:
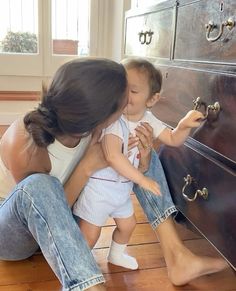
(177, 136)
(112, 147)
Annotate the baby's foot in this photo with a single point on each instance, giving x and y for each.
(123, 260)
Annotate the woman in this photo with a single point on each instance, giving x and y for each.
(38, 154)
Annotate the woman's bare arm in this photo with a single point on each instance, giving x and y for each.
(20, 155)
(92, 161)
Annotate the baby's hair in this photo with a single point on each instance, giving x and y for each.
(153, 74)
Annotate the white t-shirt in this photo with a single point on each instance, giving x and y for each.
(116, 129)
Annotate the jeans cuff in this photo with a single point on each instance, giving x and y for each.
(86, 284)
(169, 211)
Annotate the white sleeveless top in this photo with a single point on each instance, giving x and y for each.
(63, 161)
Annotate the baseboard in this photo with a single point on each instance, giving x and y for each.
(20, 95)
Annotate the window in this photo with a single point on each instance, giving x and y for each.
(19, 26)
(70, 27)
(37, 36)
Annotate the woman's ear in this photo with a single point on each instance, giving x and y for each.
(153, 100)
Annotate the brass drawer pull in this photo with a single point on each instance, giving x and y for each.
(143, 37)
(211, 26)
(212, 107)
(150, 34)
(202, 193)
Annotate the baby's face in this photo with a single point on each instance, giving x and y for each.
(138, 93)
(116, 115)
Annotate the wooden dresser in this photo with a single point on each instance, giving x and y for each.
(193, 43)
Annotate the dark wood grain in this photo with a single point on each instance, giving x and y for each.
(214, 217)
(191, 43)
(160, 23)
(182, 86)
(198, 67)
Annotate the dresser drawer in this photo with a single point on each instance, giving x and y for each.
(150, 34)
(193, 40)
(181, 86)
(214, 217)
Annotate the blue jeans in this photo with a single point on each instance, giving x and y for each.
(157, 208)
(36, 214)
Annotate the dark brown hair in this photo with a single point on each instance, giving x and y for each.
(83, 94)
(153, 74)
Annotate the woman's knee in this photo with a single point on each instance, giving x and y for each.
(40, 190)
(42, 184)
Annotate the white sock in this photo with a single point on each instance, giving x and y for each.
(117, 256)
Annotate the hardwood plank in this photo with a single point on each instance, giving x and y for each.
(31, 270)
(35, 286)
(36, 268)
(142, 234)
(149, 256)
(157, 280)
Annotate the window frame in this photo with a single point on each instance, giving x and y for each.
(44, 63)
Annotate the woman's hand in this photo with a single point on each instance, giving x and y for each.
(144, 141)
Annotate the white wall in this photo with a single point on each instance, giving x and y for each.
(117, 12)
(11, 110)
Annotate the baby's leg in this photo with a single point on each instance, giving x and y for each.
(124, 229)
(90, 232)
(120, 238)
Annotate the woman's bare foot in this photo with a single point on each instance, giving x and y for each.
(188, 266)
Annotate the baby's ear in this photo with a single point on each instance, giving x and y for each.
(153, 100)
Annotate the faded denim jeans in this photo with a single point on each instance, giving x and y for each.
(156, 207)
(36, 214)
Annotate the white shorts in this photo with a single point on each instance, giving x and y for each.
(101, 199)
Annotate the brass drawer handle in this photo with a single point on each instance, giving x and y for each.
(208, 108)
(150, 34)
(202, 193)
(211, 26)
(142, 37)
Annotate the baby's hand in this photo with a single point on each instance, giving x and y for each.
(192, 119)
(150, 185)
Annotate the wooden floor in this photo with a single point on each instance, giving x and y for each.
(34, 274)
